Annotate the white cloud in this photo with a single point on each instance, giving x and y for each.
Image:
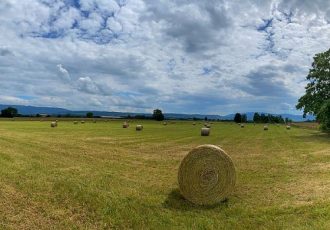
(137, 55)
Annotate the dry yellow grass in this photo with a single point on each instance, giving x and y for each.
(99, 175)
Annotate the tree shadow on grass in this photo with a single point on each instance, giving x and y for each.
(176, 201)
(315, 137)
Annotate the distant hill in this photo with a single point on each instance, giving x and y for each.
(33, 110)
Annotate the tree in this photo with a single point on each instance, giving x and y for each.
(256, 117)
(324, 116)
(205, 118)
(9, 112)
(244, 118)
(263, 118)
(89, 115)
(158, 115)
(238, 118)
(315, 100)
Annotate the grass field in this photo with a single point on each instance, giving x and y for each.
(100, 176)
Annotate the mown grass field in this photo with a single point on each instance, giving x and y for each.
(101, 176)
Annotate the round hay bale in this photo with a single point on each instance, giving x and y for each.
(75, 122)
(125, 125)
(139, 128)
(82, 122)
(165, 123)
(206, 175)
(265, 127)
(242, 126)
(288, 127)
(205, 132)
(194, 123)
(53, 124)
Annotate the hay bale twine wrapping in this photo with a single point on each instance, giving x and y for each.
(206, 175)
(205, 131)
(53, 124)
(139, 128)
(265, 127)
(125, 125)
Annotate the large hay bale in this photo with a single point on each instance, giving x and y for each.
(53, 124)
(288, 127)
(205, 131)
(206, 175)
(75, 122)
(194, 123)
(265, 127)
(82, 122)
(242, 126)
(164, 123)
(139, 128)
(207, 125)
(125, 125)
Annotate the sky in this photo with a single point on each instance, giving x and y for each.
(183, 56)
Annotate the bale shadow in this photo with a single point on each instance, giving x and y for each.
(176, 201)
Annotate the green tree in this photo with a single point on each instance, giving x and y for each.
(158, 115)
(318, 89)
(238, 118)
(324, 116)
(244, 118)
(9, 112)
(89, 115)
(256, 117)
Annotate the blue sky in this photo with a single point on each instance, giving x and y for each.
(214, 57)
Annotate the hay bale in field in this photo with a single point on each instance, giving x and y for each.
(125, 125)
(207, 125)
(205, 132)
(288, 127)
(194, 123)
(242, 126)
(206, 175)
(139, 128)
(82, 122)
(53, 124)
(265, 127)
(75, 122)
(164, 123)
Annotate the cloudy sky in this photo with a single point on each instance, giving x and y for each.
(186, 56)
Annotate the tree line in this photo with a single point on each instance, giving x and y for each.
(261, 118)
